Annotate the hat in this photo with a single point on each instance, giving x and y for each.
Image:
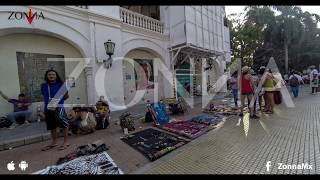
(245, 69)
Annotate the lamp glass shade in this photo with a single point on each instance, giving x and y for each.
(109, 47)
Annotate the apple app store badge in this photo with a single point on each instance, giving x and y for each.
(10, 166)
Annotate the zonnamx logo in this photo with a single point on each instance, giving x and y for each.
(29, 15)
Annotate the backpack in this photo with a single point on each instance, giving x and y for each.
(175, 109)
(148, 117)
(102, 123)
(294, 81)
(127, 121)
(5, 122)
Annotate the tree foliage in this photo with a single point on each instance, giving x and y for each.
(270, 31)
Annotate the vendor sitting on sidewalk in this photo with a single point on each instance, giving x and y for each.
(102, 113)
(20, 110)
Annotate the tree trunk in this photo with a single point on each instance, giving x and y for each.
(286, 55)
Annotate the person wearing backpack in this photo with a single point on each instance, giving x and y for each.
(294, 82)
(314, 84)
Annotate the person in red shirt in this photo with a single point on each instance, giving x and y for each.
(247, 91)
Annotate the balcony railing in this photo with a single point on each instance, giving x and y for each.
(141, 21)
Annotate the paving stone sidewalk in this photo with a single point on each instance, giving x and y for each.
(243, 146)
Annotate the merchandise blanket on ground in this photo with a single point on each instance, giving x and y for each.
(85, 165)
(153, 143)
(221, 109)
(188, 129)
(212, 120)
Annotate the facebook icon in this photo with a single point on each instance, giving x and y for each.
(268, 165)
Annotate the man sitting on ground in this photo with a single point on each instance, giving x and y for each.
(102, 113)
(21, 110)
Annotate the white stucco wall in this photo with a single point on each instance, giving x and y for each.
(108, 82)
(87, 30)
(33, 43)
(110, 11)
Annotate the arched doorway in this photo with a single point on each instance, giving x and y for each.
(24, 58)
(142, 84)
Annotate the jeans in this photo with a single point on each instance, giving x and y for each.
(14, 115)
(314, 89)
(295, 91)
(235, 96)
(254, 105)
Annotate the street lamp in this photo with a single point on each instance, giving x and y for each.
(109, 47)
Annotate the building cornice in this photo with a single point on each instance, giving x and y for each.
(81, 14)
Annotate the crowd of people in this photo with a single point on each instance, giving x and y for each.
(264, 87)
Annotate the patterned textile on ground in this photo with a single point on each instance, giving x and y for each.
(188, 129)
(88, 149)
(100, 163)
(221, 109)
(158, 111)
(153, 143)
(209, 119)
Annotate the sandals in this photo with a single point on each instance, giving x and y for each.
(46, 148)
(63, 147)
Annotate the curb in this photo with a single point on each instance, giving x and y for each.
(8, 145)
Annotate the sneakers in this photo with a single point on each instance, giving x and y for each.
(13, 126)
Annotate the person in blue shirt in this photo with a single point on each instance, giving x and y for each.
(54, 93)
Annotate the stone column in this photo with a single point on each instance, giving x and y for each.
(90, 84)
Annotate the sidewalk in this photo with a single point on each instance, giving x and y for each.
(290, 136)
(125, 157)
(36, 132)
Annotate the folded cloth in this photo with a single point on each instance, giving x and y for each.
(100, 163)
(88, 149)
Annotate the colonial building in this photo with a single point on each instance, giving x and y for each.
(175, 37)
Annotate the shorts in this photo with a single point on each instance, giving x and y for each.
(55, 119)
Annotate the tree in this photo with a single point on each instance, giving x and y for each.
(244, 39)
(291, 37)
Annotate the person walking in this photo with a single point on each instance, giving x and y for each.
(294, 82)
(247, 91)
(315, 83)
(234, 87)
(55, 93)
(261, 90)
(255, 84)
(268, 86)
(312, 74)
